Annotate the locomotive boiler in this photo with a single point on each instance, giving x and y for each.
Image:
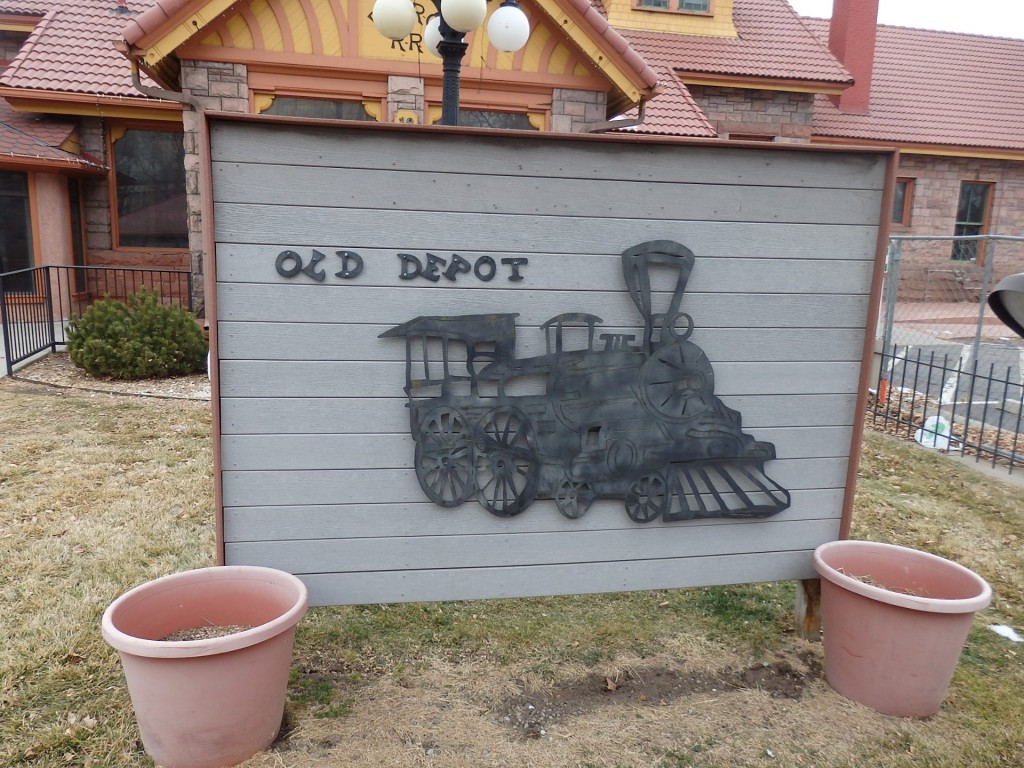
(618, 417)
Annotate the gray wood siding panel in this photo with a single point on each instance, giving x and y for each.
(316, 452)
(313, 341)
(293, 303)
(371, 486)
(296, 378)
(400, 191)
(519, 549)
(417, 231)
(384, 451)
(352, 148)
(534, 581)
(243, 263)
(332, 521)
(327, 415)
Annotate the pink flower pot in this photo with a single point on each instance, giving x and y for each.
(213, 702)
(894, 647)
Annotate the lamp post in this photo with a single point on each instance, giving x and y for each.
(445, 36)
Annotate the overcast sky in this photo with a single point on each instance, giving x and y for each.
(1003, 18)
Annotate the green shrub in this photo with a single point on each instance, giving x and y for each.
(138, 339)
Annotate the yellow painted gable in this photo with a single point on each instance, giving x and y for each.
(285, 27)
(630, 14)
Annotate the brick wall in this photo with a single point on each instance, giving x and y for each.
(573, 111)
(927, 271)
(782, 115)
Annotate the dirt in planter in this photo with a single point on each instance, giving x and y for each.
(871, 581)
(205, 633)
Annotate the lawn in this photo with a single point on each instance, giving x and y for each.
(99, 493)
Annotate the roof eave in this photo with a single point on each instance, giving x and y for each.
(166, 73)
(89, 104)
(11, 161)
(924, 148)
(632, 78)
(795, 85)
(19, 22)
(158, 32)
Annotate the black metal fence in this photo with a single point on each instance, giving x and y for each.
(972, 407)
(36, 304)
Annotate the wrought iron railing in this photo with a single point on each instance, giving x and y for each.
(36, 304)
(968, 406)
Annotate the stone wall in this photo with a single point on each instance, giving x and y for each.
(782, 115)
(212, 86)
(405, 99)
(96, 192)
(573, 111)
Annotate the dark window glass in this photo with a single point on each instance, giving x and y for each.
(652, 4)
(695, 6)
(971, 219)
(150, 171)
(479, 118)
(902, 201)
(15, 230)
(322, 108)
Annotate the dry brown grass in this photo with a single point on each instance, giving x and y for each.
(100, 493)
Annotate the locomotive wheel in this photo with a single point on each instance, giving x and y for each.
(674, 379)
(647, 498)
(573, 498)
(444, 457)
(506, 465)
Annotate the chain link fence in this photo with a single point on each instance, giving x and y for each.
(950, 372)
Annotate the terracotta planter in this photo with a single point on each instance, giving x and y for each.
(894, 649)
(213, 702)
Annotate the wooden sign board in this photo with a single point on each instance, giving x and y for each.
(444, 370)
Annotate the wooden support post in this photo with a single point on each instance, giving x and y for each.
(808, 609)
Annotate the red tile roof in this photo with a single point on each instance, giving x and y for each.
(773, 43)
(72, 48)
(673, 112)
(34, 139)
(935, 88)
(25, 7)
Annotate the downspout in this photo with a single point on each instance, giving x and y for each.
(612, 125)
(160, 93)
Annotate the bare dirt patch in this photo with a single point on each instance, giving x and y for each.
(532, 715)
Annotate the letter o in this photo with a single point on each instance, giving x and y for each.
(487, 262)
(288, 271)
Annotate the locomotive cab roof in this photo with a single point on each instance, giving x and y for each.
(472, 329)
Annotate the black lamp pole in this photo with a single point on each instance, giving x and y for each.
(452, 49)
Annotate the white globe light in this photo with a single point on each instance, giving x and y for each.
(508, 29)
(432, 35)
(464, 15)
(394, 18)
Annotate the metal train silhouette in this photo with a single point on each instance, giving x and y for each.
(621, 418)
